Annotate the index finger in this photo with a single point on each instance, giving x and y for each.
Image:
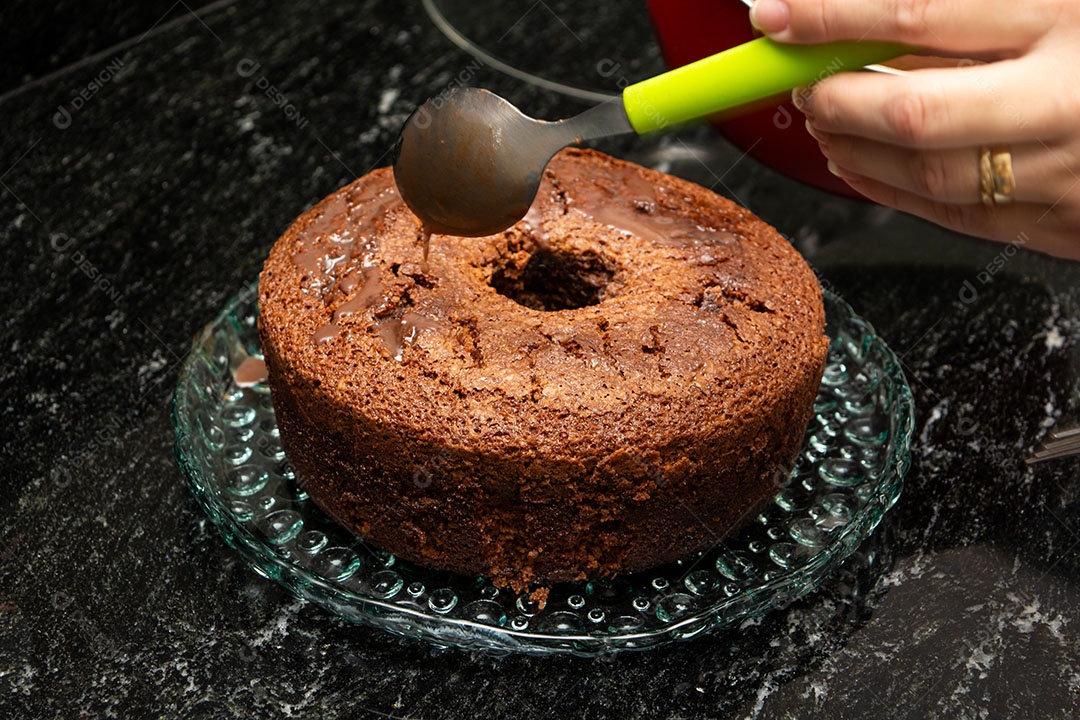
(973, 26)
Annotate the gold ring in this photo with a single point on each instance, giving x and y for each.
(997, 185)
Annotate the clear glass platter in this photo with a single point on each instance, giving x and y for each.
(849, 473)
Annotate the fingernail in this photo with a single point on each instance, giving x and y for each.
(816, 134)
(803, 100)
(845, 175)
(770, 16)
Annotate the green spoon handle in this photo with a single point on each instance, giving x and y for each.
(753, 71)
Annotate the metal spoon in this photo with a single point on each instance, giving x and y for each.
(469, 163)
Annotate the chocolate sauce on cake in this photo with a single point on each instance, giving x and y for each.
(534, 220)
(326, 333)
(370, 291)
(397, 333)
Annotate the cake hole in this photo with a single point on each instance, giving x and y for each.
(555, 280)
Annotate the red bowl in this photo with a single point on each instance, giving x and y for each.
(775, 133)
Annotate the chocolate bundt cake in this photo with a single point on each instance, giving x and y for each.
(614, 382)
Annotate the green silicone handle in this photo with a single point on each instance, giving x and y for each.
(753, 71)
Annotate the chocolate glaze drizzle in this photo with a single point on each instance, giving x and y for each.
(337, 261)
(396, 333)
(326, 333)
(370, 292)
(534, 219)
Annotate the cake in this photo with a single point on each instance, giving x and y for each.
(616, 381)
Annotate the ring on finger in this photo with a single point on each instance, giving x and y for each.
(997, 184)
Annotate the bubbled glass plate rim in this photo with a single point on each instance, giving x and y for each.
(822, 512)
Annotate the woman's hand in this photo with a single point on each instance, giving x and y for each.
(914, 141)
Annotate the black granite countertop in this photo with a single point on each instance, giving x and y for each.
(143, 186)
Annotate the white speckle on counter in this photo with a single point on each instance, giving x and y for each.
(819, 689)
(1031, 615)
(936, 414)
(1048, 421)
(278, 625)
(387, 98)
(22, 680)
(247, 123)
(981, 660)
(157, 362)
(264, 149)
(768, 686)
(181, 667)
(1054, 339)
(115, 318)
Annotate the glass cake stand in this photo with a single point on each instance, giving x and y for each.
(849, 473)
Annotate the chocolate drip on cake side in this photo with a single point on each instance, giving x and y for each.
(334, 239)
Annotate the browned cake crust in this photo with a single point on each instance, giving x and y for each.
(608, 385)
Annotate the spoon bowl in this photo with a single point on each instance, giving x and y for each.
(469, 163)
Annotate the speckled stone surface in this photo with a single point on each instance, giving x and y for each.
(125, 230)
(37, 43)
